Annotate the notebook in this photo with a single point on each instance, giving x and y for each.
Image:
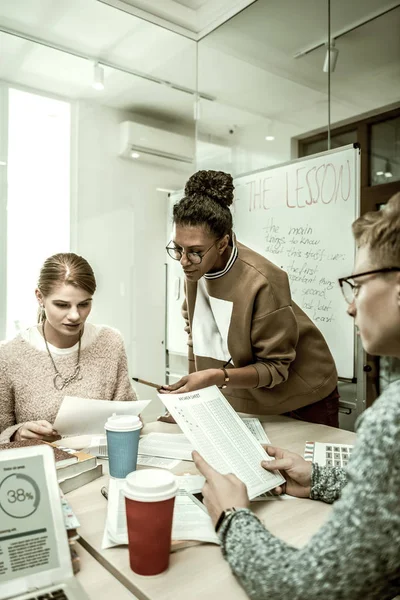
(34, 552)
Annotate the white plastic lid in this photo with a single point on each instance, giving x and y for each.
(150, 485)
(123, 423)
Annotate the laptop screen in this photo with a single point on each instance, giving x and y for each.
(27, 537)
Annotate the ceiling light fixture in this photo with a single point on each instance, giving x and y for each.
(135, 154)
(98, 77)
(270, 132)
(388, 170)
(334, 52)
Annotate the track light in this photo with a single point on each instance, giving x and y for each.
(334, 52)
(270, 132)
(98, 77)
(388, 170)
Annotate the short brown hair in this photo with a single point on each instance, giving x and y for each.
(380, 231)
(68, 268)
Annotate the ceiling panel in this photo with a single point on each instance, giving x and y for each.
(247, 64)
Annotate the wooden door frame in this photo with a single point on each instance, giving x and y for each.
(371, 198)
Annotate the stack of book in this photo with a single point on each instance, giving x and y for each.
(82, 470)
(71, 525)
(74, 469)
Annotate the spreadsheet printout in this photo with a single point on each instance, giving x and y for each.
(217, 432)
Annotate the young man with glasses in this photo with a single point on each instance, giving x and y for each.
(245, 334)
(356, 554)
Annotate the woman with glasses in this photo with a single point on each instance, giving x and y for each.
(356, 553)
(245, 334)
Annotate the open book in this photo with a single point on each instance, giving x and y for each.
(217, 432)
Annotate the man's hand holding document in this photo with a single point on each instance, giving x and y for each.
(217, 432)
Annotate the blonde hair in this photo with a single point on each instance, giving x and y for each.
(380, 231)
(68, 268)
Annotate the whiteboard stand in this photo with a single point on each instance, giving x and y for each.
(176, 360)
(353, 397)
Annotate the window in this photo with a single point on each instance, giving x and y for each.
(337, 140)
(38, 200)
(385, 151)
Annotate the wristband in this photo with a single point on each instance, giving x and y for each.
(222, 517)
(226, 379)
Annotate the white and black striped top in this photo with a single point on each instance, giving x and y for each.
(229, 264)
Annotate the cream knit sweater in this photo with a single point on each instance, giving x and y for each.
(27, 391)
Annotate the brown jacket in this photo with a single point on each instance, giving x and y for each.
(269, 331)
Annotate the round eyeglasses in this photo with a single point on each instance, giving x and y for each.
(194, 257)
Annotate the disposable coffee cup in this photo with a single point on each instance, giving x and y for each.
(149, 499)
(123, 433)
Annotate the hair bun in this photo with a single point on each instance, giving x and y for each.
(216, 185)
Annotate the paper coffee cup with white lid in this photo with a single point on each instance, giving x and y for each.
(123, 432)
(150, 485)
(149, 502)
(123, 423)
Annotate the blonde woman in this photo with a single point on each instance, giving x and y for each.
(62, 355)
(356, 553)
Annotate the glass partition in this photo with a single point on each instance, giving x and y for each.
(124, 69)
(384, 151)
(268, 90)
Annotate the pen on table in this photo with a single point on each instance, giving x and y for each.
(153, 385)
(104, 492)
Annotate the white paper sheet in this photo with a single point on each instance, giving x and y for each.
(155, 461)
(83, 416)
(255, 427)
(166, 445)
(217, 432)
(177, 445)
(191, 483)
(190, 522)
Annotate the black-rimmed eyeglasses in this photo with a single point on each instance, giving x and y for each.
(350, 289)
(194, 257)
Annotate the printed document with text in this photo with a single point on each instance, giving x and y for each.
(217, 432)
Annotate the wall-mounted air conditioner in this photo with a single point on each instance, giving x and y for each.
(149, 144)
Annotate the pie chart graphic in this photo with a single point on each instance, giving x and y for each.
(19, 496)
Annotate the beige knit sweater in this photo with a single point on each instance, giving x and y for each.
(27, 391)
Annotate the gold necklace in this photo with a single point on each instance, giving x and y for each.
(59, 381)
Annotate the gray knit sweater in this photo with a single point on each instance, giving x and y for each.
(27, 391)
(356, 553)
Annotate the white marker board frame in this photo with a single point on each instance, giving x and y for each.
(299, 216)
(264, 201)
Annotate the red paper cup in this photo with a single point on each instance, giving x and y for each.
(149, 498)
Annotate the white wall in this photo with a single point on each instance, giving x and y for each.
(119, 227)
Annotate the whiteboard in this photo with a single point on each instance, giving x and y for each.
(299, 216)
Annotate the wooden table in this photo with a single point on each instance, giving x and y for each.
(200, 572)
(97, 581)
